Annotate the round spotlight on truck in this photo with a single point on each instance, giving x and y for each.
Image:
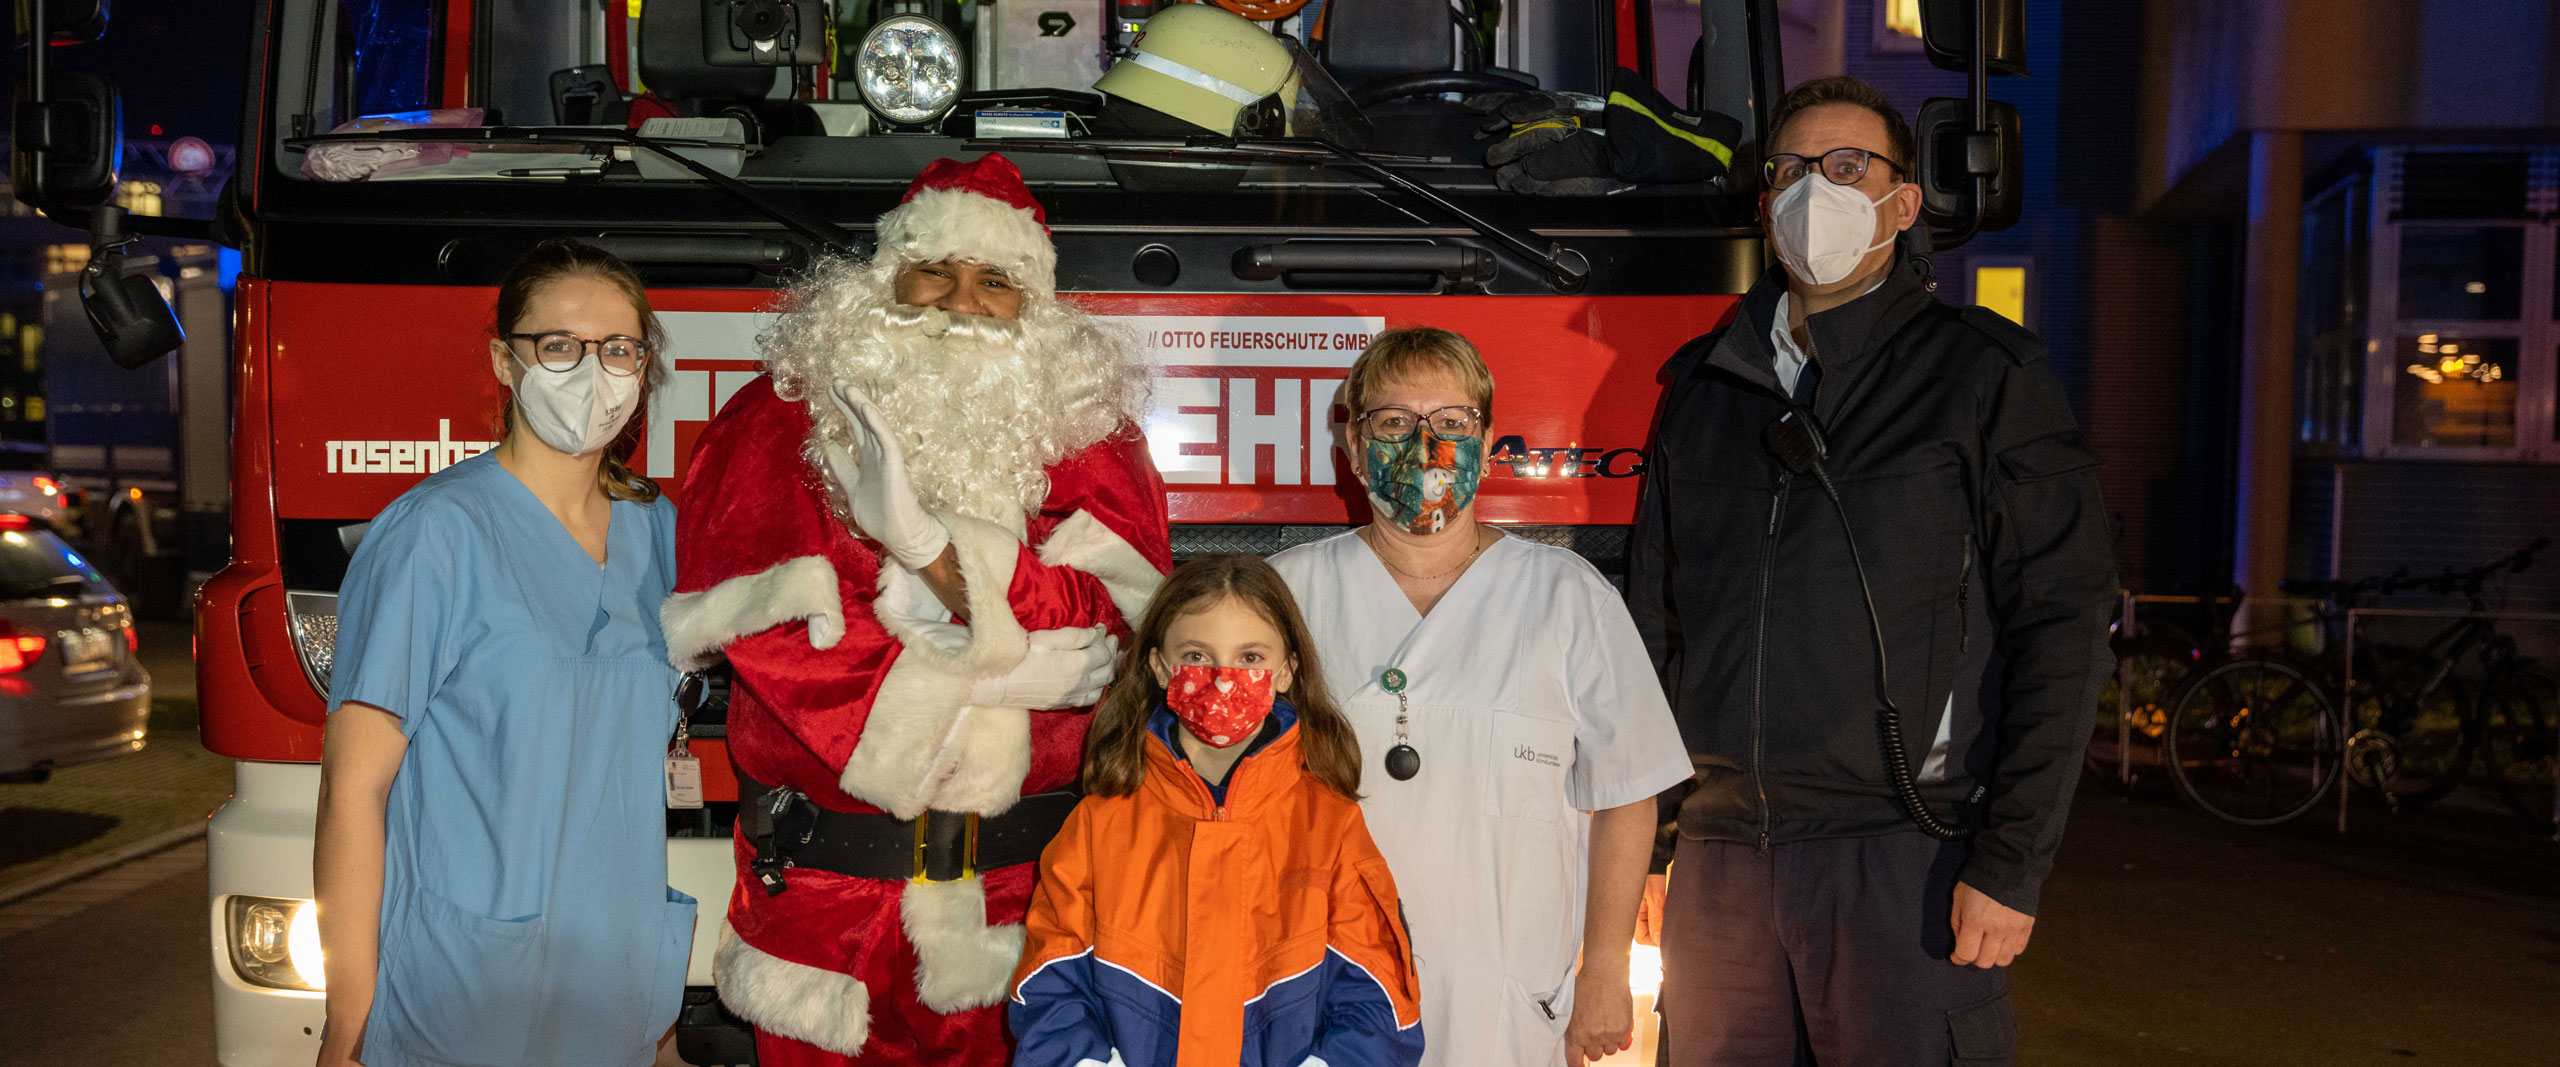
(910, 69)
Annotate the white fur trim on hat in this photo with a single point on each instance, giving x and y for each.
(1084, 543)
(962, 961)
(698, 625)
(941, 224)
(923, 746)
(793, 1000)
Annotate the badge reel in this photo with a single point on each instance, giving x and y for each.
(684, 771)
(1402, 761)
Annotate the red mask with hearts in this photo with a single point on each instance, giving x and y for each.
(1220, 705)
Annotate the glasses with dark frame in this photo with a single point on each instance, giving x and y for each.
(1843, 166)
(1393, 424)
(560, 351)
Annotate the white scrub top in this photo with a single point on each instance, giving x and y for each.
(1531, 703)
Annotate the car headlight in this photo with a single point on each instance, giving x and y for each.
(909, 69)
(275, 942)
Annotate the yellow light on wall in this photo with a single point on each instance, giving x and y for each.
(2002, 289)
(1902, 17)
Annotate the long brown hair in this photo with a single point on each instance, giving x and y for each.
(1115, 757)
(559, 258)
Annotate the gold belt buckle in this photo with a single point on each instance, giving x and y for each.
(968, 849)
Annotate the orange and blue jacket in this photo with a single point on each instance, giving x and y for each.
(1191, 926)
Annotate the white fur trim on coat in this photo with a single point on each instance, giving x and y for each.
(961, 961)
(923, 746)
(941, 224)
(699, 624)
(1084, 543)
(794, 1000)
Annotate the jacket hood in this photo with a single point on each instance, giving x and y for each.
(1269, 768)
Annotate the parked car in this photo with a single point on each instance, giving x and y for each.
(71, 687)
(27, 487)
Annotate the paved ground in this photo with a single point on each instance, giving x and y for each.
(93, 808)
(2165, 939)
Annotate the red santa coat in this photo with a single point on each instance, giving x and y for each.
(845, 701)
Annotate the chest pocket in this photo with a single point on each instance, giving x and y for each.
(1529, 760)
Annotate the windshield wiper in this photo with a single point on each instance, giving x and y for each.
(1566, 269)
(829, 236)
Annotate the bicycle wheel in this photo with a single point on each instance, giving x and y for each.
(2155, 664)
(2254, 740)
(2517, 741)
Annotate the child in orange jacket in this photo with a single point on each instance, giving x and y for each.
(1215, 901)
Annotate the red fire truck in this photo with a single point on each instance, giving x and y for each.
(1248, 272)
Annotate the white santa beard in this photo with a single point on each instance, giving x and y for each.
(982, 406)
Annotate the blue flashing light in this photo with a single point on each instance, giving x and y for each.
(226, 268)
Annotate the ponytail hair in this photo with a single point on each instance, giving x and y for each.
(564, 257)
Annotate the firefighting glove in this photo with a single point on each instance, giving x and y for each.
(873, 477)
(1545, 144)
(1652, 143)
(1064, 669)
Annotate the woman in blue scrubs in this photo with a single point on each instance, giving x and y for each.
(491, 855)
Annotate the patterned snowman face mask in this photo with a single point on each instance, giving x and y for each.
(1220, 705)
(1425, 480)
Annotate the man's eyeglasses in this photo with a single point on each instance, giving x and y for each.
(560, 351)
(1844, 166)
(1395, 424)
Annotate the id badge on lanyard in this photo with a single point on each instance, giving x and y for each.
(684, 772)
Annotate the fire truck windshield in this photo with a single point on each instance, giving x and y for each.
(417, 95)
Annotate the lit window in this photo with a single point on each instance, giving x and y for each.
(1902, 17)
(2001, 284)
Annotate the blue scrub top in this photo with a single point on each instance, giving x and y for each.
(526, 917)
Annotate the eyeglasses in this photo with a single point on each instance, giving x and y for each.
(560, 351)
(1844, 166)
(1395, 424)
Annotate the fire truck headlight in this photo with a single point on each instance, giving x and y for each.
(909, 68)
(275, 942)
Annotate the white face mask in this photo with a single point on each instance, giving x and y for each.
(578, 410)
(1822, 228)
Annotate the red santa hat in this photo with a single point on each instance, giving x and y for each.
(979, 211)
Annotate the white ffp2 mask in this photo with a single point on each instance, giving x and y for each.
(578, 410)
(1822, 228)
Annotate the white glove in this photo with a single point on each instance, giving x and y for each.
(873, 475)
(1066, 669)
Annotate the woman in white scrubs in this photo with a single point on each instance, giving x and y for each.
(1501, 687)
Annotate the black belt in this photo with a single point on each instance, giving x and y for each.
(789, 830)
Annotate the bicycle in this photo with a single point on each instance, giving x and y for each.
(2259, 740)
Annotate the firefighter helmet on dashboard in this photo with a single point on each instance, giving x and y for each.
(1207, 66)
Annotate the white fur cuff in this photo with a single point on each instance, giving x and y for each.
(961, 961)
(923, 747)
(793, 1000)
(1084, 543)
(699, 624)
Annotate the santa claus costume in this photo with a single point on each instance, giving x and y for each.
(853, 692)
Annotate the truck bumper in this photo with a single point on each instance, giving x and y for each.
(259, 844)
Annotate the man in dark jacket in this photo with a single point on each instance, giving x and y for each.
(1938, 558)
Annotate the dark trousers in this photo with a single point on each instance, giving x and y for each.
(1831, 953)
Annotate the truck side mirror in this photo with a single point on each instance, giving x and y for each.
(1952, 156)
(132, 319)
(71, 21)
(1946, 31)
(67, 129)
(65, 149)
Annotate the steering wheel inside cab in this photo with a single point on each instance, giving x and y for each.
(1397, 57)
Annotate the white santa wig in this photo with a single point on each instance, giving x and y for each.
(982, 405)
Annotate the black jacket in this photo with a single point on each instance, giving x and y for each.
(1974, 498)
